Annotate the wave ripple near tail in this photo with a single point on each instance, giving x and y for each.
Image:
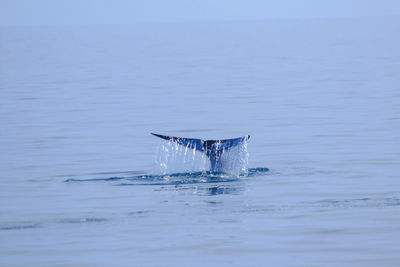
(175, 178)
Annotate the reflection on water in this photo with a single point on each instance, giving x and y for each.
(206, 190)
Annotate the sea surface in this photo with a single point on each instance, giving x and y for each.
(79, 176)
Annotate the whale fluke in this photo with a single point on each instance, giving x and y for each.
(213, 149)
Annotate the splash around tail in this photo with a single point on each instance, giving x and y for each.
(226, 155)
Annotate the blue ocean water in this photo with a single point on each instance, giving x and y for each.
(79, 180)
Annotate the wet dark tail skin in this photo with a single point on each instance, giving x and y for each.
(212, 148)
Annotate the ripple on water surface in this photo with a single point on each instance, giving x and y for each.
(173, 179)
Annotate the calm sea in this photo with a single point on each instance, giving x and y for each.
(320, 99)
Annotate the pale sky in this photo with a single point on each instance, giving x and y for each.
(61, 12)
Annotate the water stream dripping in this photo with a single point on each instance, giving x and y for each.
(174, 158)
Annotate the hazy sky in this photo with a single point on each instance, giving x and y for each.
(55, 12)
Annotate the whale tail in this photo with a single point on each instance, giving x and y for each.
(213, 149)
